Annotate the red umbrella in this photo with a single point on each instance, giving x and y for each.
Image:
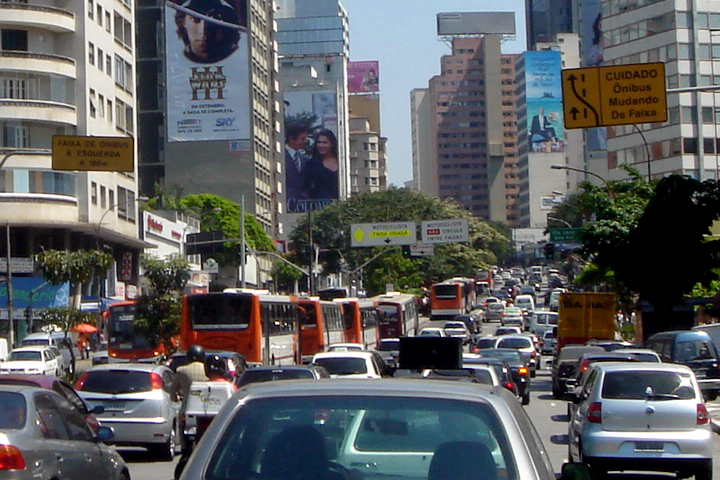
(84, 328)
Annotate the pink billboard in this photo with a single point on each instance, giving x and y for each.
(363, 77)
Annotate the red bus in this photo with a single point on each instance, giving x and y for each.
(361, 321)
(398, 314)
(321, 324)
(124, 343)
(447, 300)
(260, 326)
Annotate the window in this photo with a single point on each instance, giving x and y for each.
(93, 109)
(108, 64)
(18, 88)
(108, 23)
(100, 56)
(15, 136)
(99, 15)
(93, 193)
(14, 40)
(123, 31)
(101, 106)
(103, 191)
(109, 110)
(119, 114)
(91, 54)
(111, 198)
(91, 9)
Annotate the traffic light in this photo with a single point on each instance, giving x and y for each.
(406, 251)
(549, 251)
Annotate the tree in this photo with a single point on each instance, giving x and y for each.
(158, 313)
(60, 266)
(331, 233)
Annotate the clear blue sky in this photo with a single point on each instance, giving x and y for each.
(402, 35)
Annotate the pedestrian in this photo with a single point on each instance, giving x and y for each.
(194, 371)
(81, 343)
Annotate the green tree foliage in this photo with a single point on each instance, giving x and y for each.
(285, 276)
(158, 312)
(60, 266)
(65, 317)
(217, 213)
(331, 233)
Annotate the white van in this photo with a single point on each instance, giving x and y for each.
(526, 303)
(55, 339)
(542, 322)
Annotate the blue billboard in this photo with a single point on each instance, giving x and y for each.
(543, 90)
(43, 294)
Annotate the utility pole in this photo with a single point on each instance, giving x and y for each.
(242, 241)
(311, 276)
(11, 334)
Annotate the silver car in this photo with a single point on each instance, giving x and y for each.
(524, 345)
(413, 429)
(43, 436)
(642, 416)
(137, 403)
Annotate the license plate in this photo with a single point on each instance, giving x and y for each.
(649, 446)
(115, 407)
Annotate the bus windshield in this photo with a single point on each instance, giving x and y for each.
(446, 291)
(121, 330)
(219, 310)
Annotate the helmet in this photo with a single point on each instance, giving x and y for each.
(195, 353)
(215, 367)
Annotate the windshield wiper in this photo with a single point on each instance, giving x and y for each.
(663, 396)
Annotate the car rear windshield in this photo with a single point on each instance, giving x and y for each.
(694, 350)
(636, 385)
(117, 381)
(35, 341)
(255, 376)
(281, 436)
(388, 346)
(485, 343)
(13, 410)
(343, 366)
(23, 356)
(514, 343)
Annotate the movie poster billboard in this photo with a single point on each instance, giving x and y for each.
(312, 164)
(543, 88)
(207, 70)
(591, 48)
(363, 77)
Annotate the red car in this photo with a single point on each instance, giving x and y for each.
(59, 386)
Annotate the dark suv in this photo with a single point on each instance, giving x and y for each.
(565, 365)
(694, 349)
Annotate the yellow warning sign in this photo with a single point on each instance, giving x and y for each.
(614, 95)
(109, 154)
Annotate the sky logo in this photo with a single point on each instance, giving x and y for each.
(224, 122)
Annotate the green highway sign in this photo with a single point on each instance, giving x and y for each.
(568, 235)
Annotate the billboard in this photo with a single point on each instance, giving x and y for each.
(312, 164)
(476, 23)
(363, 77)
(591, 51)
(207, 70)
(543, 87)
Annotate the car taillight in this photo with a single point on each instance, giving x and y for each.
(509, 385)
(702, 414)
(11, 458)
(81, 381)
(523, 371)
(474, 350)
(584, 366)
(156, 382)
(533, 354)
(594, 413)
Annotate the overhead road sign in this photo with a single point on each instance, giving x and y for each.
(422, 250)
(381, 234)
(614, 95)
(564, 234)
(445, 231)
(102, 154)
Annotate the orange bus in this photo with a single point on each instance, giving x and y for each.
(398, 314)
(361, 321)
(260, 326)
(124, 343)
(451, 298)
(321, 324)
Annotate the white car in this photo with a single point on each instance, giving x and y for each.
(432, 332)
(35, 360)
(349, 364)
(345, 347)
(457, 329)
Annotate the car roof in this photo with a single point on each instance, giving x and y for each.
(31, 348)
(643, 366)
(682, 334)
(137, 367)
(346, 354)
(276, 368)
(43, 381)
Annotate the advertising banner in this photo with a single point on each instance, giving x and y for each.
(363, 77)
(312, 166)
(591, 49)
(543, 82)
(207, 70)
(36, 293)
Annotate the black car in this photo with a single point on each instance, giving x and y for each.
(284, 372)
(502, 367)
(518, 368)
(565, 364)
(470, 320)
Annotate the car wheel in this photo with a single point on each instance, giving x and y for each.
(710, 395)
(705, 471)
(533, 373)
(526, 398)
(165, 451)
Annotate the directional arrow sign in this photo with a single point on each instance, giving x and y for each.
(422, 250)
(379, 234)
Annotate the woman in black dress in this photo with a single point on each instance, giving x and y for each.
(323, 170)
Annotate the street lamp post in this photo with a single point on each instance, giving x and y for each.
(587, 172)
(560, 220)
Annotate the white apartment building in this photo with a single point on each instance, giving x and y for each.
(368, 159)
(66, 68)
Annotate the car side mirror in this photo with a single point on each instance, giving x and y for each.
(576, 471)
(104, 434)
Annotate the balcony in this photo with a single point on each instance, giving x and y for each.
(38, 110)
(23, 15)
(37, 62)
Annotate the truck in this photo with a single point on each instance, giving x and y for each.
(586, 316)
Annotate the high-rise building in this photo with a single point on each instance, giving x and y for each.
(424, 162)
(65, 69)
(544, 19)
(368, 161)
(686, 40)
(471, 117)
(209, 121)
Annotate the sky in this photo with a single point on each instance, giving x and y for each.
(402, 35)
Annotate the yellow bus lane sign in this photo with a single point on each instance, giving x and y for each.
(103, 154)
(382, 234)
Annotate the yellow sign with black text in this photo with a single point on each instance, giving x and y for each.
(102, 154)
(614, 95)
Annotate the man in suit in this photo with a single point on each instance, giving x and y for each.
(540, 129)
(295, 161)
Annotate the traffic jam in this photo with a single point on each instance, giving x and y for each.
(508, 375)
